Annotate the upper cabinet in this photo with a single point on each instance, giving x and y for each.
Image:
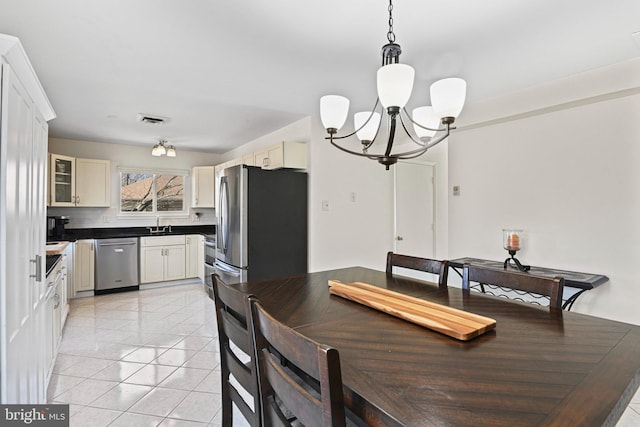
(79, 182)
(62, 180)
(203, 192)
(285, 154)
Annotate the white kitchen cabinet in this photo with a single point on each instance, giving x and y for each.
(249, 159)
(162, 258)
(24, 112)
(152, 264)
(93, 187)
(69, 274)
(52, 327)
(79, 182)
(285, 154)
(56, 323)
(203, 192)
(62, 180)
(175, 260)
(85, 264)
(195, 256)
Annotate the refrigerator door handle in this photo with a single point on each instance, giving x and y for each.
(224, 182)
(228, 270)
(221, 218)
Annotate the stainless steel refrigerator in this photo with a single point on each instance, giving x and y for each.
(262, 224)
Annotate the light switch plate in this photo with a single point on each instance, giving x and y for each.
(456, 190)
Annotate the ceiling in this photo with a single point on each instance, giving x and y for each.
(225, 73)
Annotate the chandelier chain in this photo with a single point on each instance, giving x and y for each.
(390, 34)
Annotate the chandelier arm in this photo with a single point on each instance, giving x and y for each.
(441, 138)
(417, 141)
(363, 125)
(346, 150)
(423, 149)
(419, 125)
(412, 157)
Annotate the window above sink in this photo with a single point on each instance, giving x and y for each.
(150, 193)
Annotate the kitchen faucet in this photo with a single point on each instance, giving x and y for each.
(158, 229)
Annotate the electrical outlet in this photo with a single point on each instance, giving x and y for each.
(325, 205)
(456, 190)
(352, 196)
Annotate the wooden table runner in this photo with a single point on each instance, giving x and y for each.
(450, 321)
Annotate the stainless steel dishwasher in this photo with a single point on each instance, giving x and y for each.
(116, 264)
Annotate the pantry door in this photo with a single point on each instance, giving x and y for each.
(414, 208)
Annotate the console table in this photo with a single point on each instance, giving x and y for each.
(572, 279)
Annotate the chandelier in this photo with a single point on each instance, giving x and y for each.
(431, 124)
(160, 149)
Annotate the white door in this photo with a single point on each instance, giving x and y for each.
(414, 208)
(20, 187)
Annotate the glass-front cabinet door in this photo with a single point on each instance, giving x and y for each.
(62, 179)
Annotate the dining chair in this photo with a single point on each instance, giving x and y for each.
(441, 268)
(550, 288)
(300, 380)
(234, 329)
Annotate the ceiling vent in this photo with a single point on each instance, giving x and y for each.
(152, 120)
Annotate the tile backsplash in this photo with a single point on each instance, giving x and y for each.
(109, 217)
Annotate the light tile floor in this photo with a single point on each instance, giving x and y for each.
(147, 358)
(151, 358)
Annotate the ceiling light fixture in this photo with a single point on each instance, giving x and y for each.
(160, 149)
(394, 84)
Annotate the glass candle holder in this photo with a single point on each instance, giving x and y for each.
(512, 239)
(512, 242)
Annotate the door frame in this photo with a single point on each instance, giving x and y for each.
(433, 196)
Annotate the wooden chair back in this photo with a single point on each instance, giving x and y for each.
(296, 375)
(441, 268)
(232, 314)
(549, 287)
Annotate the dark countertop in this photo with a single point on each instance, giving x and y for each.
(73, 234)
(52, 260)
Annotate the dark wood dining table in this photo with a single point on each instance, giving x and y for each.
(538, 367)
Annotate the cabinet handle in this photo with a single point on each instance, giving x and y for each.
(265, 161)
(56, 298)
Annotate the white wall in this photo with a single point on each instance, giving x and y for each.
(559, 161)
(349, 233)
(128, 155)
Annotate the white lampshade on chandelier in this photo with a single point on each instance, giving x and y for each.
(161, 149)
(431, 124)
